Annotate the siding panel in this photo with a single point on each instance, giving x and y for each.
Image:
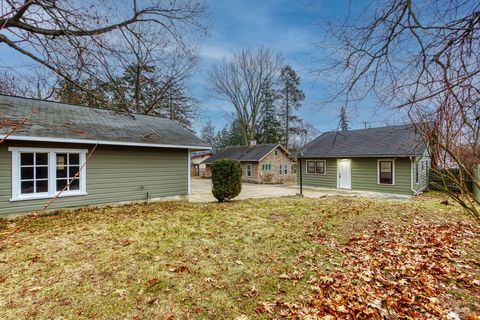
(364, 176)
(114, 174)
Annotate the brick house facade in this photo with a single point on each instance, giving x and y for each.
(260, 164)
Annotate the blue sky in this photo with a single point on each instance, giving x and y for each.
(294, 28)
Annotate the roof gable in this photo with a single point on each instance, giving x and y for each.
(399, 140)
(72, 123)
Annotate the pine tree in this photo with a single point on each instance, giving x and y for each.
(269, 129)
(230, 135)
(291, 99)
(344, 122)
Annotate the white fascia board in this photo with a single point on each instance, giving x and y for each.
(103, 142)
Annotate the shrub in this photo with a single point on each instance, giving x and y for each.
(226, 179)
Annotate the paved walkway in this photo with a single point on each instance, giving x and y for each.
(202, 192)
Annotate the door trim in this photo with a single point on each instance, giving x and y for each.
(338, 172)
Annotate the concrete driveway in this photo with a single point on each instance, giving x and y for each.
(202, 191)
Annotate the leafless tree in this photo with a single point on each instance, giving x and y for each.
(34, 85)
(240, 80)
(154, 74)
(76, 39)
(422, 56)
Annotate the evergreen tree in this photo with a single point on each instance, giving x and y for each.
(97, 95)
(230, 135)
(344, 122)
(269, 129)
(291, 97)
(137, 90)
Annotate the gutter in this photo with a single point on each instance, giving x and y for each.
(104, 142)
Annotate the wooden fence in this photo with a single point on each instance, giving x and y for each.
(440, 180)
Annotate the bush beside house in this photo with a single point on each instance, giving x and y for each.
(226, 179)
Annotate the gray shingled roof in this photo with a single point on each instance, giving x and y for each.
(398, 141)
(242, 153)
(52, 120)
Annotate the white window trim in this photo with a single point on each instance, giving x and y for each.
(393, 172)
(52, 173)
(266, 167)
(315, 167)
(247, 170)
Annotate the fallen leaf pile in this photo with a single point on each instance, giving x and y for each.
(393, 272)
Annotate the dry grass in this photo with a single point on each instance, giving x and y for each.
(184, 260)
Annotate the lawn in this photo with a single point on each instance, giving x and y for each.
(271, 258)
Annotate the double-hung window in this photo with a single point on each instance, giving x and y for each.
(280, 171)
(386, 172)
(39, 173)
(285, 167)
(249, 170)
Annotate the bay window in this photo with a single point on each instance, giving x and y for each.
(39, 173)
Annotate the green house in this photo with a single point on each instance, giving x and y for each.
(390, 159)
(83, 156)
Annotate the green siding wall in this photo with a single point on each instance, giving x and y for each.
(114, 174)
(327, 180)
(364, 176)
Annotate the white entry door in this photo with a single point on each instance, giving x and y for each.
(344, 178)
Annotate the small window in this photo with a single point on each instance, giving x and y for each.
(385, 174)
(276, 152)
(249, 170)
(266, 167)
(317, 167)
(280, 171)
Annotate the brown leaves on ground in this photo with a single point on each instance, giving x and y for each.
(393, 272)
